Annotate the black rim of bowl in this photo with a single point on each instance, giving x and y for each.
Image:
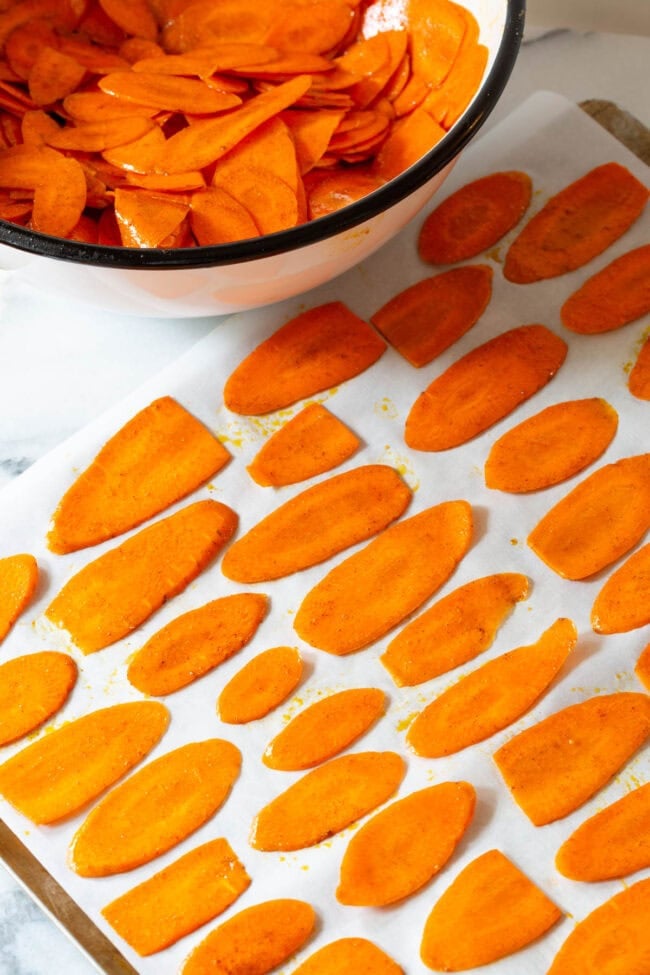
(313, 231)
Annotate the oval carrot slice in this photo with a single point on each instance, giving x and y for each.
(484, 386)
(56, 776)
(359, 503)
(490, 911)
(454, 630)
(642, 668)
(639, 379)
(153, 810)
(326, 800)
(260, 686)
(196, 642)
(18, 580)
(551, 446)
(553, 767)
(349, 956)
(493, 696)
(577, 224)
(315, 350)
(361, 599)
(156, 913)
(111, 596)
(167, 93)
(618, 294)
(32, 689)
(622, 603)
(600, 520)
(416, 835)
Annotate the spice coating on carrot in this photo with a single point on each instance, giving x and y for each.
(622, 603)
(349, 956)
(18, 580)
(32, 689)
(618, 294)
(260, 686)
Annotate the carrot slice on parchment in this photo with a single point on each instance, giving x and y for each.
(58, 775)
(618, 294)
(555, 766)
(153, 810)
(490, 911)
(349, 956)
(415, 835)
(623, 603)
(639, 378)
(18, 581)
(111, 596)
(260, 686)
(32, 689)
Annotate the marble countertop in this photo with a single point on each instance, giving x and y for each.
(61, 365)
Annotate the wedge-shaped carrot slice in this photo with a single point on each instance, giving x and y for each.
(153, 810)
(361, 599)
(639, 378)
(612, 940)
(493, 696)
(618, 294)
(623, 602)
(145, 218)
(32, 689)
(415, 835)
(427, 318)
(260, 686)
(156, 913)
(326, 800)
(111, 596)
(490, 911)
(359, 503)
(196, 642)
(577, 224)
(315, 350)
(454, 630)
(349, 956)
(18, 580)
(600, 520)
(484, 386)
(312, 442)
(551, 446)
(474, 218)
(553, 767)
(158, 457)
(324, 729)
(255, 941)
(58, 775)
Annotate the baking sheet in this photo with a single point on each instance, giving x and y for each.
(555, 143)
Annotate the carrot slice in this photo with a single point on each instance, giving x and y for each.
(158, 457)
(475, 217)
(271, 202)
(260, 686)
(622, 603)
(429, 316)
(493, 696)
(218, 218)
(97, 136)
(448, 102)
(153, 810)
(156, 913)
(58, 775)
(255, 941)
(206, 61)
(196, 642)
(484, 386)
(349, 956)
(335, 190)
(111, 596)
(319, 348)
(409, 139)
(133, 16)
(326, 800)
(32, 689)
(59, 202)
(53, 75)
(417, 835)
(316, 27)
(642, 669)
(577, 224)
(600, 520)
(437, 31)
(311, 133)
(146, 219)
(639, 378)
(553, 767)
(618, 294)
(490, 911)
(167, 93)
(18, 580)
(96, 106)
(361, 599)
(454, 630)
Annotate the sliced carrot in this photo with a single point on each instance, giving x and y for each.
(483, 387)
(167, 93)
(336, 190)
(618, 294)
(25, 42)
(349, 956)
(174, 183)
(95, 106)
(99, 136)
(600, 520)
(490, 911)
(58, 775)
(269, 147)
(449, 100)
(368, 593)
(317, 349)
(577, 224)
(53, 75)
(551, 446)
(409, 139)
(145, 218)
(133, 16)
(317, 27)
(490, 698)
(416, 835)
(311, 133)
(32, 689)
(255, 941)
(218, 218)
(429, 316)
(622, 603)
(437, 30)
(639, 378)
(553, 767)
(59, 202)
(642, 669)
(111, 596)
(135, 49)
(207, 61)
(156, 913)
(18, 581)
(271, 202)
(326, 800)
(196, 642)
(260, 686)
(153, 810)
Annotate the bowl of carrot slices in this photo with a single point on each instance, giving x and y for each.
(198, 157)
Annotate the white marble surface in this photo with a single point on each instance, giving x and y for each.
(61, 365)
